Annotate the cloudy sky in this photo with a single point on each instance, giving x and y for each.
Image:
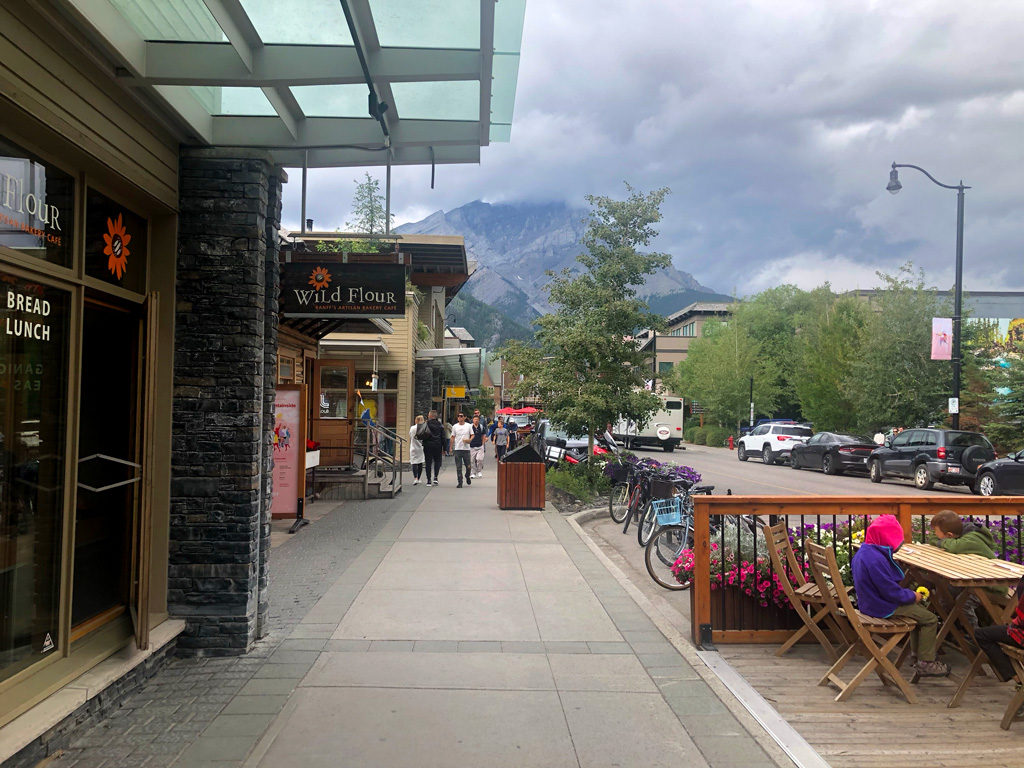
(774, 123)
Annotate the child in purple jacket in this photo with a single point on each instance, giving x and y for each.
(876, 578)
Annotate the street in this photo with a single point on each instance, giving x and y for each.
(719, 467)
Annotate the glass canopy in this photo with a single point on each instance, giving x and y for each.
(289, 75)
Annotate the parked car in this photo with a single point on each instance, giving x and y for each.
(772, 442)
(1001, 476)
(833, 453)
(930, 456)
(747, 429)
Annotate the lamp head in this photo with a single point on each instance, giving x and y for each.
(894, 185)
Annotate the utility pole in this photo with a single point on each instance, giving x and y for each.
(751, 402)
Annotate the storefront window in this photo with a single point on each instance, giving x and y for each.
(333, 393)
(115, 243)
(381, 404)
(33, 386)
(37, 206)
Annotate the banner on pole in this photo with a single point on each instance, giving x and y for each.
(942, 338)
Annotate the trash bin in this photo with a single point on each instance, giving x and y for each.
(521, 479)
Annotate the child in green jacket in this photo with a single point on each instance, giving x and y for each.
(953, 536)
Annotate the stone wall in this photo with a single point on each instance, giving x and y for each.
(225, 353)
(423, 387)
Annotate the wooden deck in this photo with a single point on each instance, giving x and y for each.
(876, 728)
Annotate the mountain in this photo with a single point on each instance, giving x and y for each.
(515, 244)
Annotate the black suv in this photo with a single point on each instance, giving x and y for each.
(932, 456)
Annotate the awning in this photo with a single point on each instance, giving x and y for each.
(343, 83)
(459, 367)
(318, 328)
(353, 345)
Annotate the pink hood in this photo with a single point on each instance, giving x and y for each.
(886, 531)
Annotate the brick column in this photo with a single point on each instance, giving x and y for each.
(224, 342)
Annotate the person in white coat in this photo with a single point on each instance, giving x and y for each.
(416, 456)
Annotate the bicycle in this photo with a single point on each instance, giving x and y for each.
(639, 496)
(618, 501)
(672, 533)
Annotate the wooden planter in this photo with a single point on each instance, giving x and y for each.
(733, 609)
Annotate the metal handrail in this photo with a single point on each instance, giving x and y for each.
(376, 436)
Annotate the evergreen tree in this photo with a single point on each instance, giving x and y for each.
(586, 367)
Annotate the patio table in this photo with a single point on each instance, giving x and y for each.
(971, 574)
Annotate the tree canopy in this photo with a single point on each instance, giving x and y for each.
(586, 367)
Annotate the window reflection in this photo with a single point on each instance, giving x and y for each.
(333, 393)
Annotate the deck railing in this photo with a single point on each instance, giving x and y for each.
(727, 542)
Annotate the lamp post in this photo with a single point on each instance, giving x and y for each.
(893, 187)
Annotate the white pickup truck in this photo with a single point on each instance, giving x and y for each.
(663, 430)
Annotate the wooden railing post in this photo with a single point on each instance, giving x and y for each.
(905, 517)
(701, 606)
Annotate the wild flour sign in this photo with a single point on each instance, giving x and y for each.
(329, 289)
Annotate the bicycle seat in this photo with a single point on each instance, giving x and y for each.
(705, 489)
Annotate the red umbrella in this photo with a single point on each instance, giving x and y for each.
(524, 411)
(506, 411)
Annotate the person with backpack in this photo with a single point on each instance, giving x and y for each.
(433, 441)
(416, 455)
(476, 446)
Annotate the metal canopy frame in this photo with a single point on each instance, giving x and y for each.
(161, 67)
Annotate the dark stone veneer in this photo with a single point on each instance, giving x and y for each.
(224, 371)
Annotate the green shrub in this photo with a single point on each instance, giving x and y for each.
(585, 480)
(689, 433)
(718, 435)
(700, 436)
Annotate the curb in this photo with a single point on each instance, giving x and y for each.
(732, 689)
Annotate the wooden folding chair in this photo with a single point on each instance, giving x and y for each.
(1016, 654)
(863, 631)
(804, 595)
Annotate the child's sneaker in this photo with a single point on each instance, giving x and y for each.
(932, 668)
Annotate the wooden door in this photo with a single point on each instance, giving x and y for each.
(332, 389)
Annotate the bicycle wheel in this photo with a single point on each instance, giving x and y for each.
(662, 551)
(618, 504)
(635, 499)
(645, 527)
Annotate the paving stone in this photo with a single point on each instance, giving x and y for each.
(566, 646)
(343, 646)
(402, 646)
(480, 646)
(608, 646)
(523, 646)
(434, 646)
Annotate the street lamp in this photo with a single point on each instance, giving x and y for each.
(893, 187)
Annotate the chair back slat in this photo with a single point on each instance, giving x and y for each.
(777, 539)
(825, 571)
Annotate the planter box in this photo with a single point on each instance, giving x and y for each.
(733, 609)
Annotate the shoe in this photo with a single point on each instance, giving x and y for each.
(459, 485)
(932, 668)
(417, 482)
(468, 481)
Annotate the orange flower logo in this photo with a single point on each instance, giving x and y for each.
(320, 278)
(117, 239)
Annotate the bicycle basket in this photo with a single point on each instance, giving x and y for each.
(668, 511)
(619, 472)
(662, 489)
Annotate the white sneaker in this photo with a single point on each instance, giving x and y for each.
(415, 482)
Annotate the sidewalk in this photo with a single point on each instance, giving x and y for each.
(462, 635)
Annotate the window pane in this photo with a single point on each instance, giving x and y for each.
(673, 405)
(334, 393)
(33, 383)
(37, 204)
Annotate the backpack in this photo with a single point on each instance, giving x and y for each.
(423, 432)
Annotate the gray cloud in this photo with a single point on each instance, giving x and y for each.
(774, 123)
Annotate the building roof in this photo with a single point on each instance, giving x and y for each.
(460, 333)
(459, 366)
(987, 304)
(699, 308)
(308, 80)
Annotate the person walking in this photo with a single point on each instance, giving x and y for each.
(500, 439)
(476, 446)
(416, 455)
(433, 445)
(462, 435)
